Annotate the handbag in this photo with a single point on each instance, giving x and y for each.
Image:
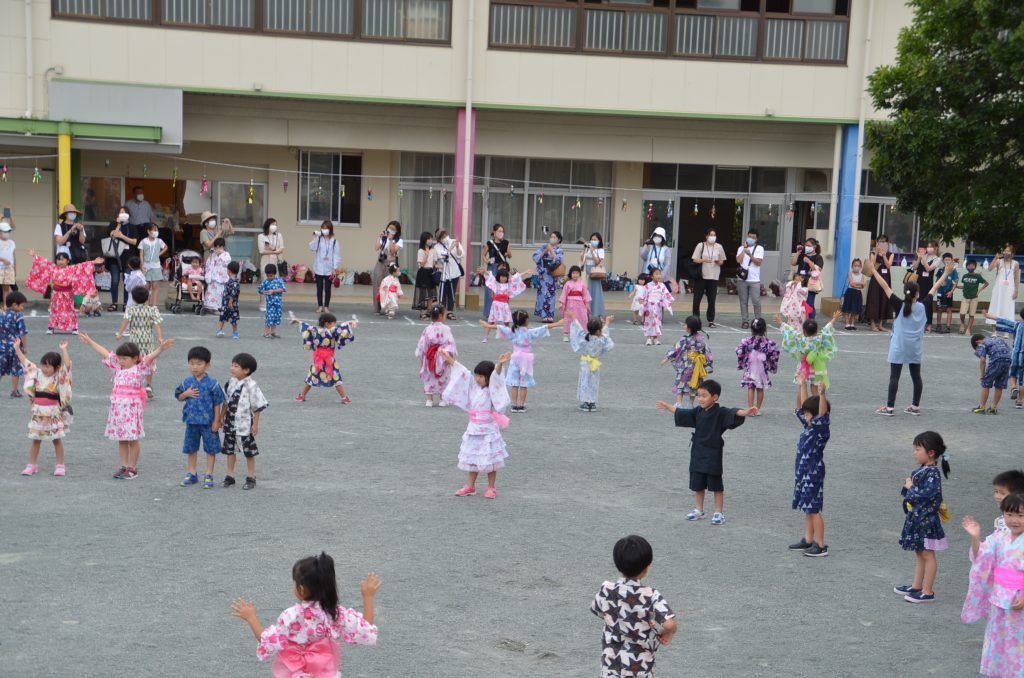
(694, 271)
(558, 271)
(598, 272)
(814, 285)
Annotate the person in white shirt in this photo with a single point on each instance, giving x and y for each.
(387, 248)
(326, 263)
(710, 255)
(7, 272)
(446, 257)
(749, 256)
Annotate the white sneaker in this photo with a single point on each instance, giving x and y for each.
(565, 338)
(430, 403)
(695, 515)
(648, 342)
(442, 404)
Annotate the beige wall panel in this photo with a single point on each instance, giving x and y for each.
(626, 223)
(32, 205)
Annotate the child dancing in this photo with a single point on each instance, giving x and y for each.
(48, 387)
(12, 332)
(434, 371)
(922, 528)
(636, 305)
(1015, 328)
(656, 298)
(323, 339)
(305, 636)
(484, 396)
(758, 357)
(229, 302)
(520, 368)
(390, 291)
(692, 359)
(245, 402)
(994, 360)
(574, 301)
(503, 288)
(590, 343)
(813, 349)
(809, 485)
(272, 288)
(128, 399)
(794, 301)
(65, 281)
(1006, 482)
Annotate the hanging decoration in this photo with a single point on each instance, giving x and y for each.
(714, 211)
(540, 198)
(579, 204)
(892, 209)
(250, 192)
(650, 211)
(625, 204)
(204, 187)
(671, 208)
(145, 170)
(770, 206)
(984, 264)
(600, 203)
(401, 193)
(369, 195)
(284, 185)
(739, 206)
(430, 193)
(37, 176)
(343, 189)
(444, 194)
(3, 174)
(904, 263)
(174, 178)
(512, 190)
(696, 208)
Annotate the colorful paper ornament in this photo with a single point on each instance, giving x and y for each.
(696, 208)
(444, 194)
(904, 263)
(512, 190)
(369, 194)
(284, 185)
(600, 203)
(540, 198)
(714, 211)
(3, 174)
(770, 211)
(174, 178)
(671, 208)
(145, 170)
(650, 211)
(430, 193)
(401, 193)
(204, 187)
(37, 176)
(250, 192)
(625, 203)
(343, 189)
(578, 203)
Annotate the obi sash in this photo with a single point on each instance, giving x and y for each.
(319, 659)
(130, 392)
(814, 364)
(591, 362)
(700, 372)
(61, 288)
(488, 416)
(323, 359)
(575, 294)
(393, 289)
(49, 396)
(431, 358)
(1009, 578)
(756, 370)
(503, 298)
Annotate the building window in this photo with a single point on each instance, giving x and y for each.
(332, 17)
(247, 218)
(417, 19)
(124, 10)
(330, 187)
(218, 13)
(526, 26)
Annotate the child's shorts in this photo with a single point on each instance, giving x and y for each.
(969, 306)
(204, 432)
(944, 303)
(996, 375)
(248, 444)
(704, 481)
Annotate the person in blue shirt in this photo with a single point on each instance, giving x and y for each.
(944, 295)
(994, 357)
(203, 414)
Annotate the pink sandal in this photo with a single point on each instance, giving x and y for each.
(30, 470)
(60, 470)
(346, 401)
(491, 492)
(301, 398)
(465, 491)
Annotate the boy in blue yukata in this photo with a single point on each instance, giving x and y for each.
(1014, 328)
(203, 414)
(994, 357)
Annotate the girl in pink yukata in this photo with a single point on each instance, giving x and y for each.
(128, 398)
(305, 637)
(66, 281)
(48, 387)
(483, 395)
(435, 373)
(520, 368)
(574, 301)
(503, 288)
(390, 291)
(656, 298)
(794, 301)
(997, 590)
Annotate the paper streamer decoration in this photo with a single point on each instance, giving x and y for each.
(3, 174)
(204, 188)
(174, 178)
(37, 176)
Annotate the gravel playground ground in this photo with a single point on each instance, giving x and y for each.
(100, 577)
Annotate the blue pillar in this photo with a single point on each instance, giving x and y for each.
(844, 210)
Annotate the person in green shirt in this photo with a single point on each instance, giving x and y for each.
(969, 306)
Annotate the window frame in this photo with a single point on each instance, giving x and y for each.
(336, 202)
(259, 25)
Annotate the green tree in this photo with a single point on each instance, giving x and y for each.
(951, 148)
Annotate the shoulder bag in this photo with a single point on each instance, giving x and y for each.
(694, 270)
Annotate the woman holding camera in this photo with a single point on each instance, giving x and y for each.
(446, 261)
(389, 245)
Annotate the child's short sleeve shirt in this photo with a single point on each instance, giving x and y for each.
(199, 410)
(633, 615)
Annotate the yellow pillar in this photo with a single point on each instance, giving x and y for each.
(63, 165)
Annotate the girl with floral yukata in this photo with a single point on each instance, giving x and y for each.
(922, 528)
(692, 359)
(656, 298)
(811, 348)
(66, 281)
(590, 343)
(483, 395)
(997, 590)
(390, 291)
(548, 259)
(216, 275)
(794, 301)
(322, 340)
(574, 301)
(520, 368)
(48, 387)
(502, 288)
(434, 371)
(127, 399)
(758, 357)
(305, 636)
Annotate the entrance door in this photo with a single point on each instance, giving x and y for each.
(768, 216)
(699, 214)
(661, 211)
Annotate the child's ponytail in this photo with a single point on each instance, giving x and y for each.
(594, 325)
(519, 319)
(910, 292)
(316, 575)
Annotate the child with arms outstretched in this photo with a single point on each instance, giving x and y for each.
(591, 343)
(758, 357)
(323, 339)
(503, 288)
(520, 368)
(692, 359)
(48, 387)
(811, 348)
(809, 485)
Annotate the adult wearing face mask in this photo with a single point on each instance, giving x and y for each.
(140, 215)
(446, 260)
(270, 244)
(925, 263)
(425, 289)
(548, 259)
(808, 261)
(69, 235)
(389, 245)
(593, 255)
(710, 255)
(876, 309)
(1006, 285)
(749, 256)
(497, 256)
(115, 250)
(212, 230)
(326, 263)
(656, 254)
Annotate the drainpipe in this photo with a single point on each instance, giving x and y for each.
(467, 152)
(29, 66)
(859, 165)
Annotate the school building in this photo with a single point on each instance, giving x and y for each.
(614, 116)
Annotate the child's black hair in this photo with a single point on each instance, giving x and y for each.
(932, 442)
(140, 294)
(711, 386)
(758, 327)
(856, 261)
(642, 279)
(134, 263)
(594, 325)
(316, 575)
(326, 319)
(436, 312)
(270, 269)
(813, 405)
(234, 267)
(1012, 480)
(947, 254)
(976, 339)
(62, 255)
(246, 362)
(632, 555)
(15, 298)
(51, 358)
(652, 271)
(392, 269)
(693, 324)
(502, 272)
(519, 319)
(128, 349)
(1012, 503)
(910, 294)
(220, 242)
(810, 327)
(200, 353)
(575, 269)
(970, 262)
(485, 368)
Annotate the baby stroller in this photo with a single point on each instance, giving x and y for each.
(178, 270)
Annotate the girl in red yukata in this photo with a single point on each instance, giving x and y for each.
(66, 281)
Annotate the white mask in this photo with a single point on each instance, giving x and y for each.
(391, 231)
(553, 241)
(152, 235)
(273, 228)
(324, 232)
(856, 269)
(122, 218)
(70, 217)
(657, 239)
(809, 250)
(712, 239)
(211, 223)
(140, 197)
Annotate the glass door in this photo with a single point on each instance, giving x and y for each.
(660, 210)
(769, 215)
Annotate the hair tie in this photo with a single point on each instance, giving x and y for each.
(945, 455)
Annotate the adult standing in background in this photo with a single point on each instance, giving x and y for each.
(140, 215)
(656, 254)
(876, 309)
(924, 266)
(710, 255)
(212, 230)
(389, 245)
(326, 263)
(808, 262)
(593, 255)
(446, 258)
(270, 244)
(749, 256)
(69, 235)
(548, 259)
(497, 256)
(1007, 284)
(115, 250)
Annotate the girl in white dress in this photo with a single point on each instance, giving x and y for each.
(1007, 282)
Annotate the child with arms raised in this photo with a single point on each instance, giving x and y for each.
(503, 288)
(809, 485)
(48, 387)
(435, 373)
(323, 339)
(811, 348)
(590, 343)
(520, 368)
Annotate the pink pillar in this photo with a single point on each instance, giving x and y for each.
(460, 172)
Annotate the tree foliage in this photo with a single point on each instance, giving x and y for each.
(951, 148)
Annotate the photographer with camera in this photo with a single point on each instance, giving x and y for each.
(656, 254)
(446, 261)
(389, 245)
(69, 235)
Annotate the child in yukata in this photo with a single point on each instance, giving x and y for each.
(1015, 328)
(814, 413)
(48, 387)
(1007, 482)
(229, 302)
(13, 331)
(305, 637)
(435, 373)
(245, 403)
(709, 421)
(811, 348)
(656, 298)
(135, 278)
(692, 359)
(323, 339)
(636, 304)
(520, 368)
(390, 291)
(758, 357)
(65, 281)
(216, 275)
(272, 288)
(794, 301)
(574, 301)
(637, 619)
(484, 396)
(590, 343)
(142, 323)
(994, 359)
(503, 288)
(203, 414)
